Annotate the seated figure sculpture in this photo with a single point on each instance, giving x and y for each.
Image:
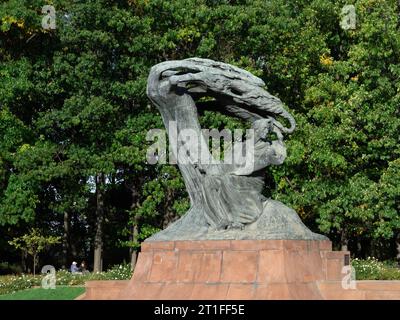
(226, 198)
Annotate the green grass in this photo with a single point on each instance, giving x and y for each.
(60, 293)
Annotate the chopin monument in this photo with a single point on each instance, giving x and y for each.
(233, 243)
(226, 199)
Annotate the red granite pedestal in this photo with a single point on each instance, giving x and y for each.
(263, 269)
(240, 269)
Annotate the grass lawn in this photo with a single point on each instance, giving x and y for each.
(60, 293)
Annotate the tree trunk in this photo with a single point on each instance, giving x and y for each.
(98, 239)
(169, 215)
(344, 241)
(359, 248)
(134, 253)
(135, 228)
(23, 261)
(133, 256)
(398, 249)
(375, 248)
(66, 239)
(34, 264)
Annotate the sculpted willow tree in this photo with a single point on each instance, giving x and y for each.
(226, 199)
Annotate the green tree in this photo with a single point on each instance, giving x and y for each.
(74, 114)
(347, 141)
(34, 243)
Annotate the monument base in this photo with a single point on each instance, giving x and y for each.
(240, 270)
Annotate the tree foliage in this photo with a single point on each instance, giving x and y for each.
(74, 114)
(34, 243)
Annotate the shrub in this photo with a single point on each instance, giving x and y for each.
(119, 272)
(390, 274)
(372, 269)
(11, 284)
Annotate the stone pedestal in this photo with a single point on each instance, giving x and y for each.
(233, 269)
(227, 269)
(239, 270)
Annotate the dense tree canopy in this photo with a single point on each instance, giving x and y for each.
(74, 116)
